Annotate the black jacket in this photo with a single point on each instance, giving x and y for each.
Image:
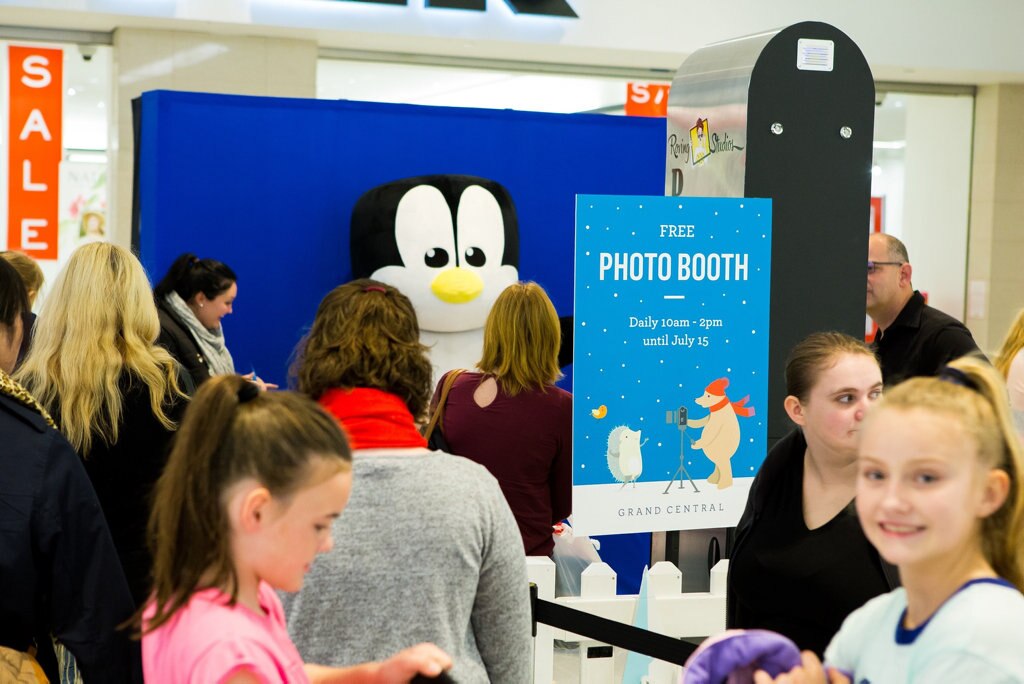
(176, 339)
(59, 571)
(920, 342)
(124, 474)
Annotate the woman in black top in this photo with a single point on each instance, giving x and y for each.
(800, 562)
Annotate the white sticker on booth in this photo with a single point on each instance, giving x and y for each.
(815, 55)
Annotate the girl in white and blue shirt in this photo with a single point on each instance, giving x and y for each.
(939, 495)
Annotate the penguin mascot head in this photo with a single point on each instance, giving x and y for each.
(450, 243)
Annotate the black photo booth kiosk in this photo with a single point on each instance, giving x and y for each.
(787, 115)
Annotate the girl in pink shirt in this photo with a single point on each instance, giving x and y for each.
(245, 503)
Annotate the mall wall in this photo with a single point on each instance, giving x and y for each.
(935, 208)
(150, 59)
(995, 255)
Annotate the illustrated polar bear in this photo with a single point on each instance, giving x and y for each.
(720, 437)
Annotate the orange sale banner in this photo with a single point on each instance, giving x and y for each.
(34, 155)
(646, 99)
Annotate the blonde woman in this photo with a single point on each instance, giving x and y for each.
(1010, 362)
(510, 417)
(113, 393)
(938, 484)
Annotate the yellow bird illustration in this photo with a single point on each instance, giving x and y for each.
(600, 412)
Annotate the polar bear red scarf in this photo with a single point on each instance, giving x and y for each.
(717, 389)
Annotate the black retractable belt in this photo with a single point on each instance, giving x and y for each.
(601, 629)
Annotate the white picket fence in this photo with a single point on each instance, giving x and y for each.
(670, 612)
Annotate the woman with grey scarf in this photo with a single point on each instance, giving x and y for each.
(192, 298)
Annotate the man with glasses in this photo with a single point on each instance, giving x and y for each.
(913, 338)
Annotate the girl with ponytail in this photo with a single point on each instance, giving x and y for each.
(939, 495)
(245, 503)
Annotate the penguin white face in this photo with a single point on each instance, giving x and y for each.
(452, 270)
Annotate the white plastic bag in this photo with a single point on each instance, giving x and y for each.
(571, 555)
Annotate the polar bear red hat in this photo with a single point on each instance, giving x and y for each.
(717, 389)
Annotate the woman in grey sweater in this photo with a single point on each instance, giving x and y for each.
(428, 549)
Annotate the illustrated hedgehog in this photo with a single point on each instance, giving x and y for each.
(624, 459)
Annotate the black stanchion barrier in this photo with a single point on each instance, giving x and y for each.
(601, 629)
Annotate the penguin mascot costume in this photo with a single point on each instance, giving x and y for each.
(450, 243)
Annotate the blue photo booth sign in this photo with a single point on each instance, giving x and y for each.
(671, 358)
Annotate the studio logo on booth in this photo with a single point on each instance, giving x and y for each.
(704, 143)
(35, 150)
(699, 148)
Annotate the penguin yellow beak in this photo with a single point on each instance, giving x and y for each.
(457, 285)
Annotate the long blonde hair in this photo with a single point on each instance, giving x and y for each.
(97, 323)
(1013, 343)
(976, 399)
(521, 339)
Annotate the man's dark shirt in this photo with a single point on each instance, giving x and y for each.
(921, 341)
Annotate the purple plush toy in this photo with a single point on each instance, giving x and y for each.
(733, 656)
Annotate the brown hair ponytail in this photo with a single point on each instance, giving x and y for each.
(231, 431)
